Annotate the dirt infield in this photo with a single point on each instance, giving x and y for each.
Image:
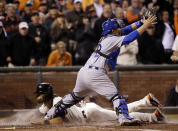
(150, 127)
(22, 120)
(172, 125)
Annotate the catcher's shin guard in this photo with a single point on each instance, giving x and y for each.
(61, 106)
(55, 111)
(76, 99)
(60, 109)
(120, 106)
(123, 109)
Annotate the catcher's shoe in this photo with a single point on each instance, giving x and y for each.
(153, 101)
(123, 115)
(159, 115)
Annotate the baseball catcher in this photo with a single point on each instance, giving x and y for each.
(93, 77)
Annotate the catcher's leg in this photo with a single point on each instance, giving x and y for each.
(69, 100)
(104, 86)
(121, 109)
(148, 100)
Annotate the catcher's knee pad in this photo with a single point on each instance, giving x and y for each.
(76, 99)
(116, 96)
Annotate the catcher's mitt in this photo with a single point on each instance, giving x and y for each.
(149, 12)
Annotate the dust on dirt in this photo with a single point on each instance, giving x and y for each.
(21, 120)
(24, 117)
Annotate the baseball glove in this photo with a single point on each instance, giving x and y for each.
(149, 12)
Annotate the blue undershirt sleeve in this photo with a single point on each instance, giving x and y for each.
(130, 37)
(126, 30)
(138, 23)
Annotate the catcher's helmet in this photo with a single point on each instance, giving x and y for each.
(110, 24)
(44, 88)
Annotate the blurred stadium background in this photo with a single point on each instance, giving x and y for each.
(72, 28)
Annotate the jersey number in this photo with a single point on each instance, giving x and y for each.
(98, 48)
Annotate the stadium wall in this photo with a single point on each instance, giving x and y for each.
(17, 89)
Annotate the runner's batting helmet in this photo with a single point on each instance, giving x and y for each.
(110, 24)
(44, 88)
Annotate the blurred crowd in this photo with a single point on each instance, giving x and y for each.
(66, 32)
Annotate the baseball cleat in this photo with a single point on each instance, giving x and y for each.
(153, 101)
(159, 115)
(123, 115)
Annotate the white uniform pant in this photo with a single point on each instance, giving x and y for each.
(97, 113)
(92, 80)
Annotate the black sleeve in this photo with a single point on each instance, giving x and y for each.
(9, 45)
(35, 53)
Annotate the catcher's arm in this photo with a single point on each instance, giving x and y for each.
(126, 30)
(135, 34)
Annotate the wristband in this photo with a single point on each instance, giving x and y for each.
(138, 23)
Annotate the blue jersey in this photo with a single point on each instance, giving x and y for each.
(110, 46)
